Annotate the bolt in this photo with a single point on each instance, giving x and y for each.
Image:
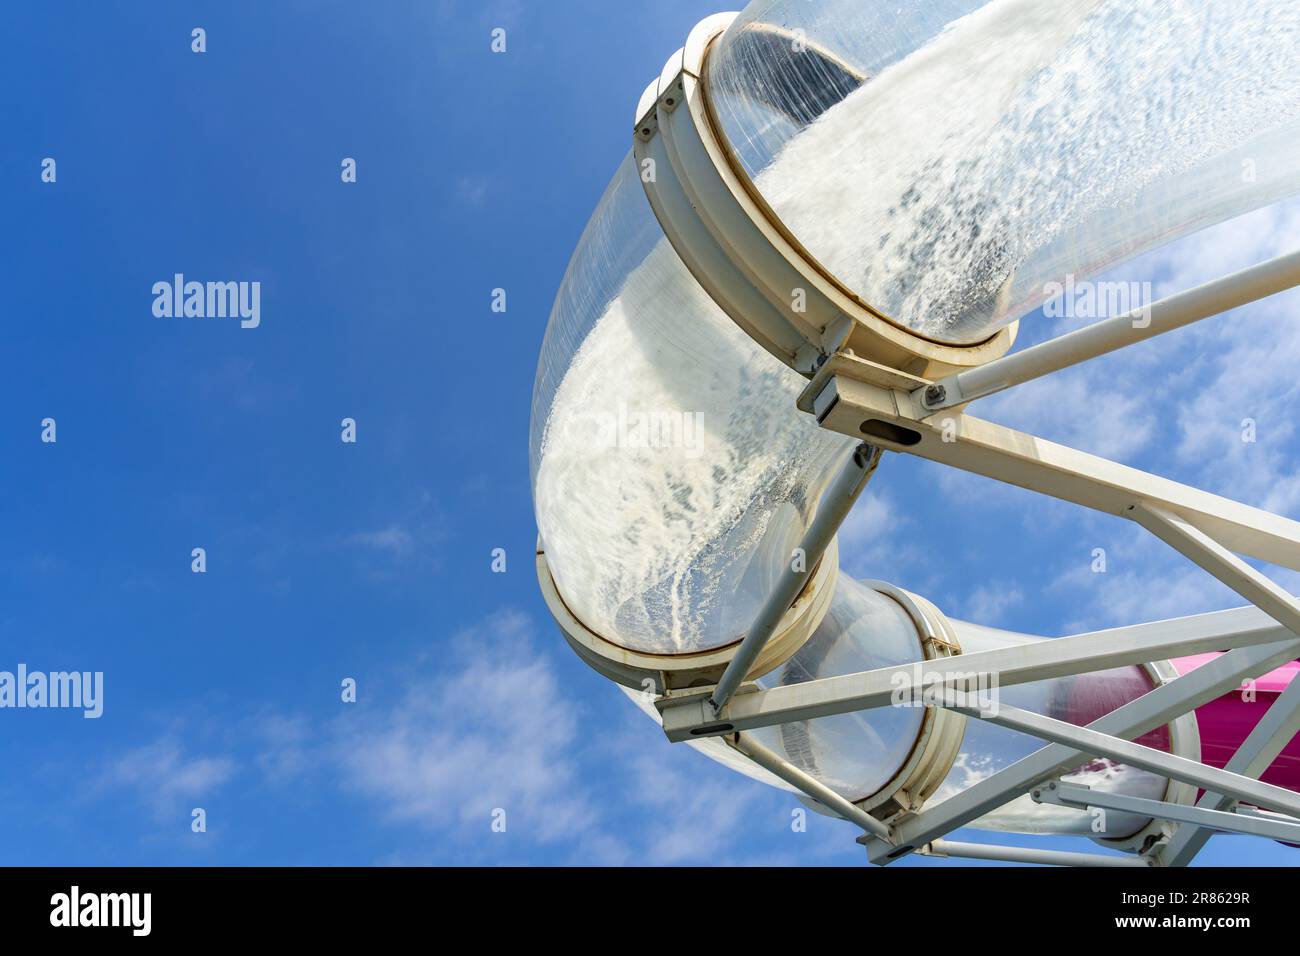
(935, 394)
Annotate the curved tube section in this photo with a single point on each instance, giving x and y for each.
(672, 478)
(856, 754)
(672, 475)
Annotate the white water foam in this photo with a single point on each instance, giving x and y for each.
(1031, 139)
(658, 548)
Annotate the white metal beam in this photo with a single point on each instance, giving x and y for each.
(1081, 797)
(1100, 338)
(1255, 755)
(889, 417)
(1267, 739)
(1183, 536)
(1020, 854)
(814, 788)
(691, 718)
(1098, 744)
(833, 508)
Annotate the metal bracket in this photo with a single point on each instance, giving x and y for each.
(856, 406)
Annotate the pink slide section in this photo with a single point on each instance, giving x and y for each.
(1225, 722)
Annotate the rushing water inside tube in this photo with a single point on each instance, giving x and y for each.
(676, 476)
(1023, 142)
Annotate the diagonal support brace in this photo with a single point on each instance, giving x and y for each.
(810, 786)
(831, 512)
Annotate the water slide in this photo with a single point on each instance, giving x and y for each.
(942, 165)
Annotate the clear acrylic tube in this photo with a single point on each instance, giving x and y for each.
(947, 161)
(988, 150)
(672, 474)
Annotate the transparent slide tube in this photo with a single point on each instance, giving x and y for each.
(672, 474)
(959, 158)
(989, 150)
(1078, 700)
(855, 754)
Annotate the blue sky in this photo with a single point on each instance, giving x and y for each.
(371, 560)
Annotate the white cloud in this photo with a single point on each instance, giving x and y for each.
(988, 603)
(286, 745)
(166, 778)
(1082, 408)
(487, 724)
(497, 732)
(1144, 582)
(688, 817)
(872, 528)
(408, 543)
(393, 539)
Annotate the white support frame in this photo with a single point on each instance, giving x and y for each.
(847, 399)
(748, 261)
(1138, 717)
(835, 506)
(859, 398)
(689, 717)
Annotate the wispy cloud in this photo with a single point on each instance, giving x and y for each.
(167, 779)
(482, 725)
(393, 540)
(874, 540)
(408, 541)
(495, 733)
(989, 602)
